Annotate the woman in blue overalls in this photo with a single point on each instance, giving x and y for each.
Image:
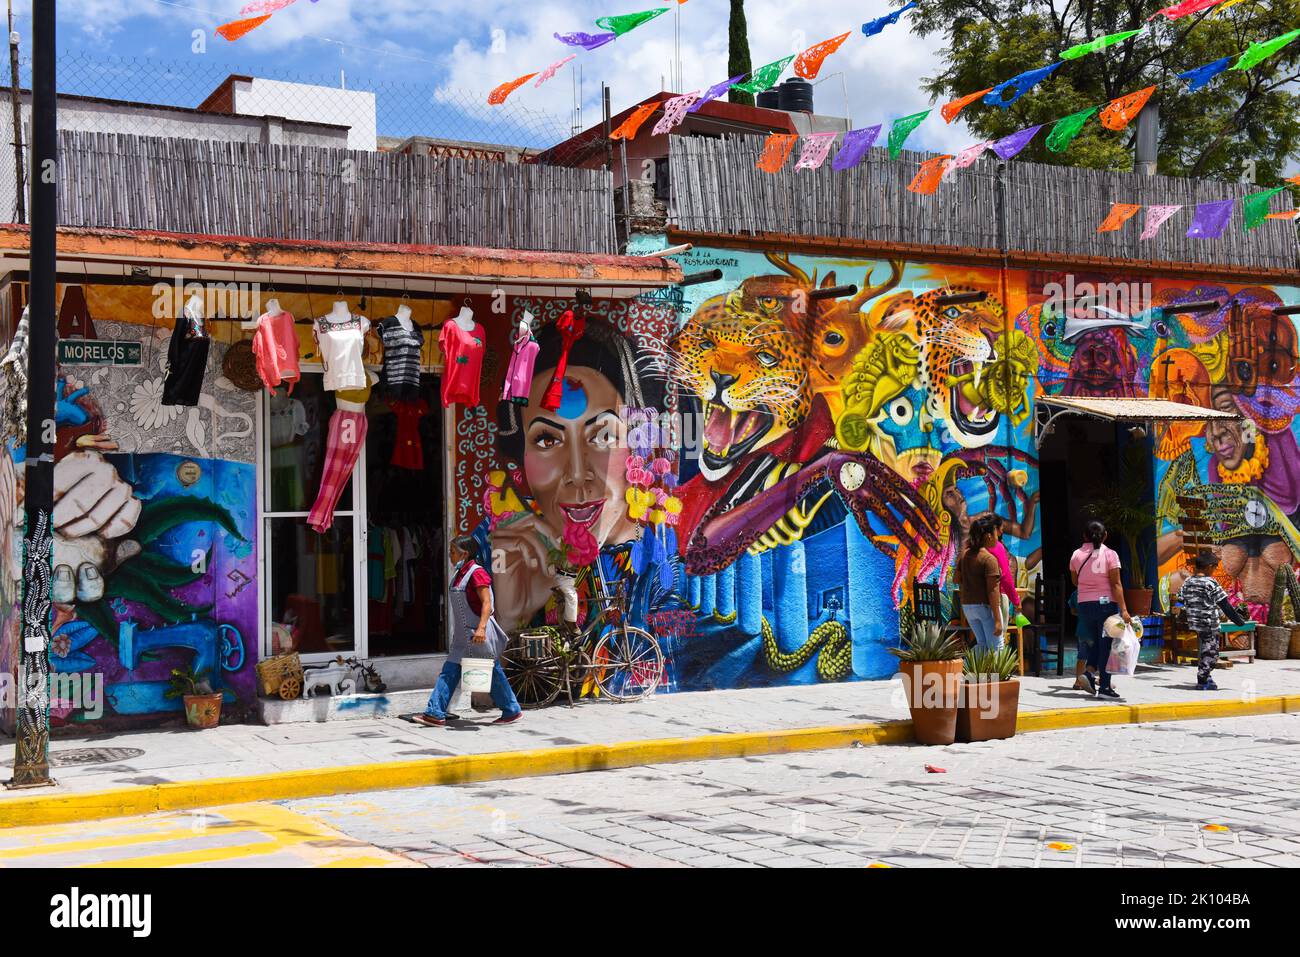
(474, 632)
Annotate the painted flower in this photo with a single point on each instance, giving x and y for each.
(147, 407)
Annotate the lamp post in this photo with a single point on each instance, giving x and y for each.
(31, 756)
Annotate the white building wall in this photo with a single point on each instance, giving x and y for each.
(354, 109)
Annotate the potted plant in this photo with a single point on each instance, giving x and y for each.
(930, 663)
(1126, 507)
(202, 704)
(989, 700)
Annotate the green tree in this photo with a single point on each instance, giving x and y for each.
(738, 51)
(1239, 117)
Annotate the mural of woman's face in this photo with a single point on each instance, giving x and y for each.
(575, 458)
(1224, 437)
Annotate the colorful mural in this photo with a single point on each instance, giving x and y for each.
(155, 563)
(814, 458)
(768, 470)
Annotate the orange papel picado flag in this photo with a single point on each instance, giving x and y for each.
(1120, 213)
(498, 96)
(808, 63)
(776, 151)
(928, 177)
(235, 29)
(1121, 111)
(949, 111)
(628, 128)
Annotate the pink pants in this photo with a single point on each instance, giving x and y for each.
(346, 438)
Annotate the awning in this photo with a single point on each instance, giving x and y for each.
(1050, 407)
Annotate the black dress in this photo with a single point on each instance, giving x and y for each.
(187, 360)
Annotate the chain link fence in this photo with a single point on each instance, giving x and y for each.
(202, 100)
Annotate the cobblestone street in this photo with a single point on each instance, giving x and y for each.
(1188, 794)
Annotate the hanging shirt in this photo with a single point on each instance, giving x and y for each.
(342, 346)
(408, 451)
(187, 360)
(571, 327)
(519, 374)
(463, 362)
(275, 347)
(402, 348)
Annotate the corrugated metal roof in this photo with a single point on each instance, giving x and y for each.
(1135, 410)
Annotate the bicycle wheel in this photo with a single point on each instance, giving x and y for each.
(628, 663)
(535, 671)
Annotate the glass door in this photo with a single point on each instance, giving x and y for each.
(312, 580)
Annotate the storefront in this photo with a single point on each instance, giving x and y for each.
(196, 518)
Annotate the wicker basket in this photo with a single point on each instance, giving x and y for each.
(1293, 650)
(1271, 642)
(272, 671)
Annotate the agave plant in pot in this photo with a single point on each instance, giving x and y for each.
(930, 664)
(202, 704)
(989, 700)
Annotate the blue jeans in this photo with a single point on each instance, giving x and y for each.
(980, 619)
(503, 696)
(1094, 646)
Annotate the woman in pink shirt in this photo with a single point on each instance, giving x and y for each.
(1007, 585)
(1094, 569)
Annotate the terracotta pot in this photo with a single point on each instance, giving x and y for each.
(203, 710)
(1138, 601)
(1271, 642)
(987, 710)
(932, 688)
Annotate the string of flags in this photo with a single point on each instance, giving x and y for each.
(252, 15)
(1209, 220)
(807, 63)
(1115, 115)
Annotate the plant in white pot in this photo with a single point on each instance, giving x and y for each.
(930, 665)
(989, 702)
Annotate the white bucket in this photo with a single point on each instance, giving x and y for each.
(476, 674)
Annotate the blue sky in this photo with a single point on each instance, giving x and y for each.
(432, 62)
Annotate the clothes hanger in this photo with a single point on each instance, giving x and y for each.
(194, 313)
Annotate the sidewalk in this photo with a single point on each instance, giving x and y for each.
(254, 762)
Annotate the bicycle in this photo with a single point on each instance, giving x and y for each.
(624, 662)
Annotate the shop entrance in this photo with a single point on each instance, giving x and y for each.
(372, 584)
(1076, 461)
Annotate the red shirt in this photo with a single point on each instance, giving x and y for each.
(462, 361)
(408, 452)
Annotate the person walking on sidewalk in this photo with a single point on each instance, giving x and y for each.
(1203, 599)
(472, 629)
(979, 578)
(1094, 569)
(1007, 585)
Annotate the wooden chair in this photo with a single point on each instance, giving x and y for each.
(926, 602)
(1016, 633)
(1049, 621)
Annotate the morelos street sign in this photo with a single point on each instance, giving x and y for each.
(99, 352)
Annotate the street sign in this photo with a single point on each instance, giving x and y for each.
(99, 352)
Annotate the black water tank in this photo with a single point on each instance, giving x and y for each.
(769, 99)
(796, 95)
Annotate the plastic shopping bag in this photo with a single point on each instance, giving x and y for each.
(1124, 653)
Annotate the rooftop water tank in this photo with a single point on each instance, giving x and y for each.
(796, 95)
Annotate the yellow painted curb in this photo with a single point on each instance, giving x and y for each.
(465, 769)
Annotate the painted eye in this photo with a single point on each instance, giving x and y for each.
(707, 344)
(1049, 329)
(546, 441)
(900, 411)
(1162, 328)
(833, 338)
(952, 312)
(767, 359)
(768, 302)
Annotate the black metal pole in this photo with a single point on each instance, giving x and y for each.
(31, 757)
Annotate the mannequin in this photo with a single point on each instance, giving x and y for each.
(340, 341)
(403, 348)
(462, 341)
(523, 355)
(187, 356)
(275, 346)
(404, 317)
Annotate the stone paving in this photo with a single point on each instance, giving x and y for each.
(1128, 796)
(112, 760)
